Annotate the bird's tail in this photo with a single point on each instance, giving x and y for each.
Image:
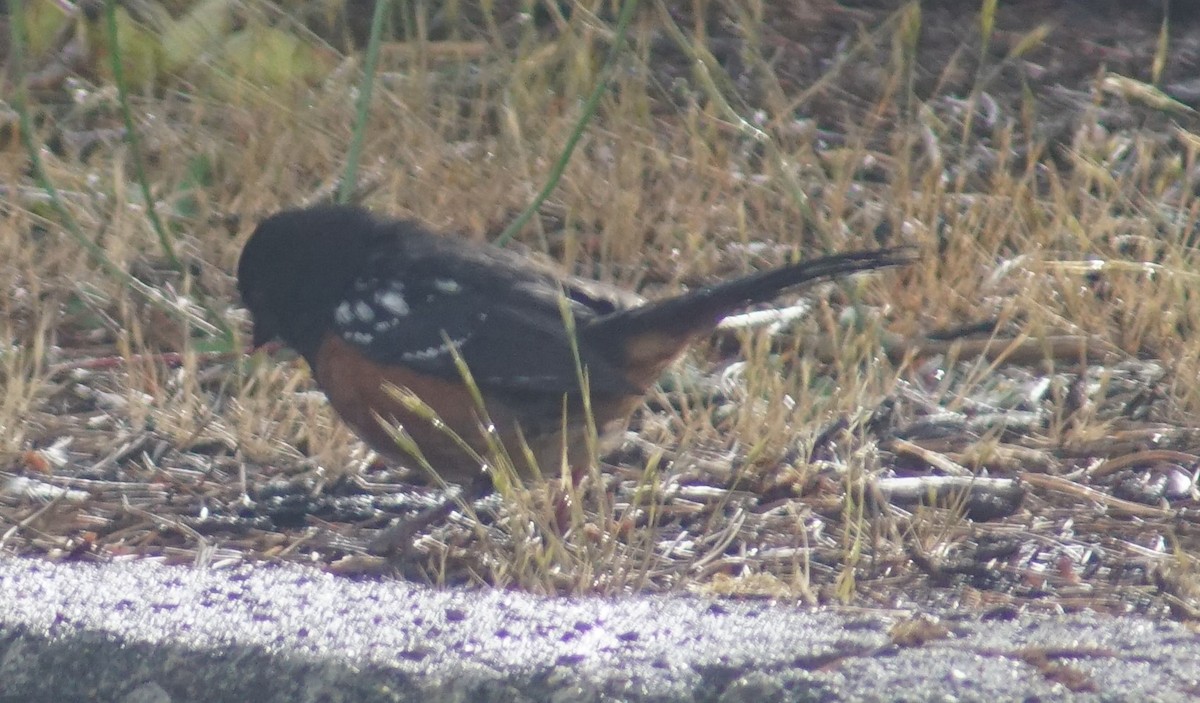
(663, 328)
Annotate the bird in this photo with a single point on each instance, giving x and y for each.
(371, 302)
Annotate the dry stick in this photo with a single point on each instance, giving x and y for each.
(1110, 466)
(1059, 485)
(1023, 350)
(915, 488)
(934, 459)
(24, 524)
(102, 363)
(169, 359)
(723, 540)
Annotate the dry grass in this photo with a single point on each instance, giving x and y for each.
(1055, 210)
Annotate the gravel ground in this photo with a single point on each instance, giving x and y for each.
(137, 631)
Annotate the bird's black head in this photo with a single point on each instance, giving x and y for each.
(297, 265)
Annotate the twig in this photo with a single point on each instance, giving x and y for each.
(1060, 485)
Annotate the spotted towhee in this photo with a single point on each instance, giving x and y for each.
(369, 302)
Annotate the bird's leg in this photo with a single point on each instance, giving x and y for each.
(399, 538)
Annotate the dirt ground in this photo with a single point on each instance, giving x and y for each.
(1011, 425)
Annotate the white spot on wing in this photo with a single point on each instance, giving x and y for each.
(358, 337)
(393, 302)
(521, 380)
(446, 285)
(434, 352)
(343, 314)
(364, 311)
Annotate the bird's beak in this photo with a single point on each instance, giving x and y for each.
(263, 323)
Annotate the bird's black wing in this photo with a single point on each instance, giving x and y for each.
(415, 304)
